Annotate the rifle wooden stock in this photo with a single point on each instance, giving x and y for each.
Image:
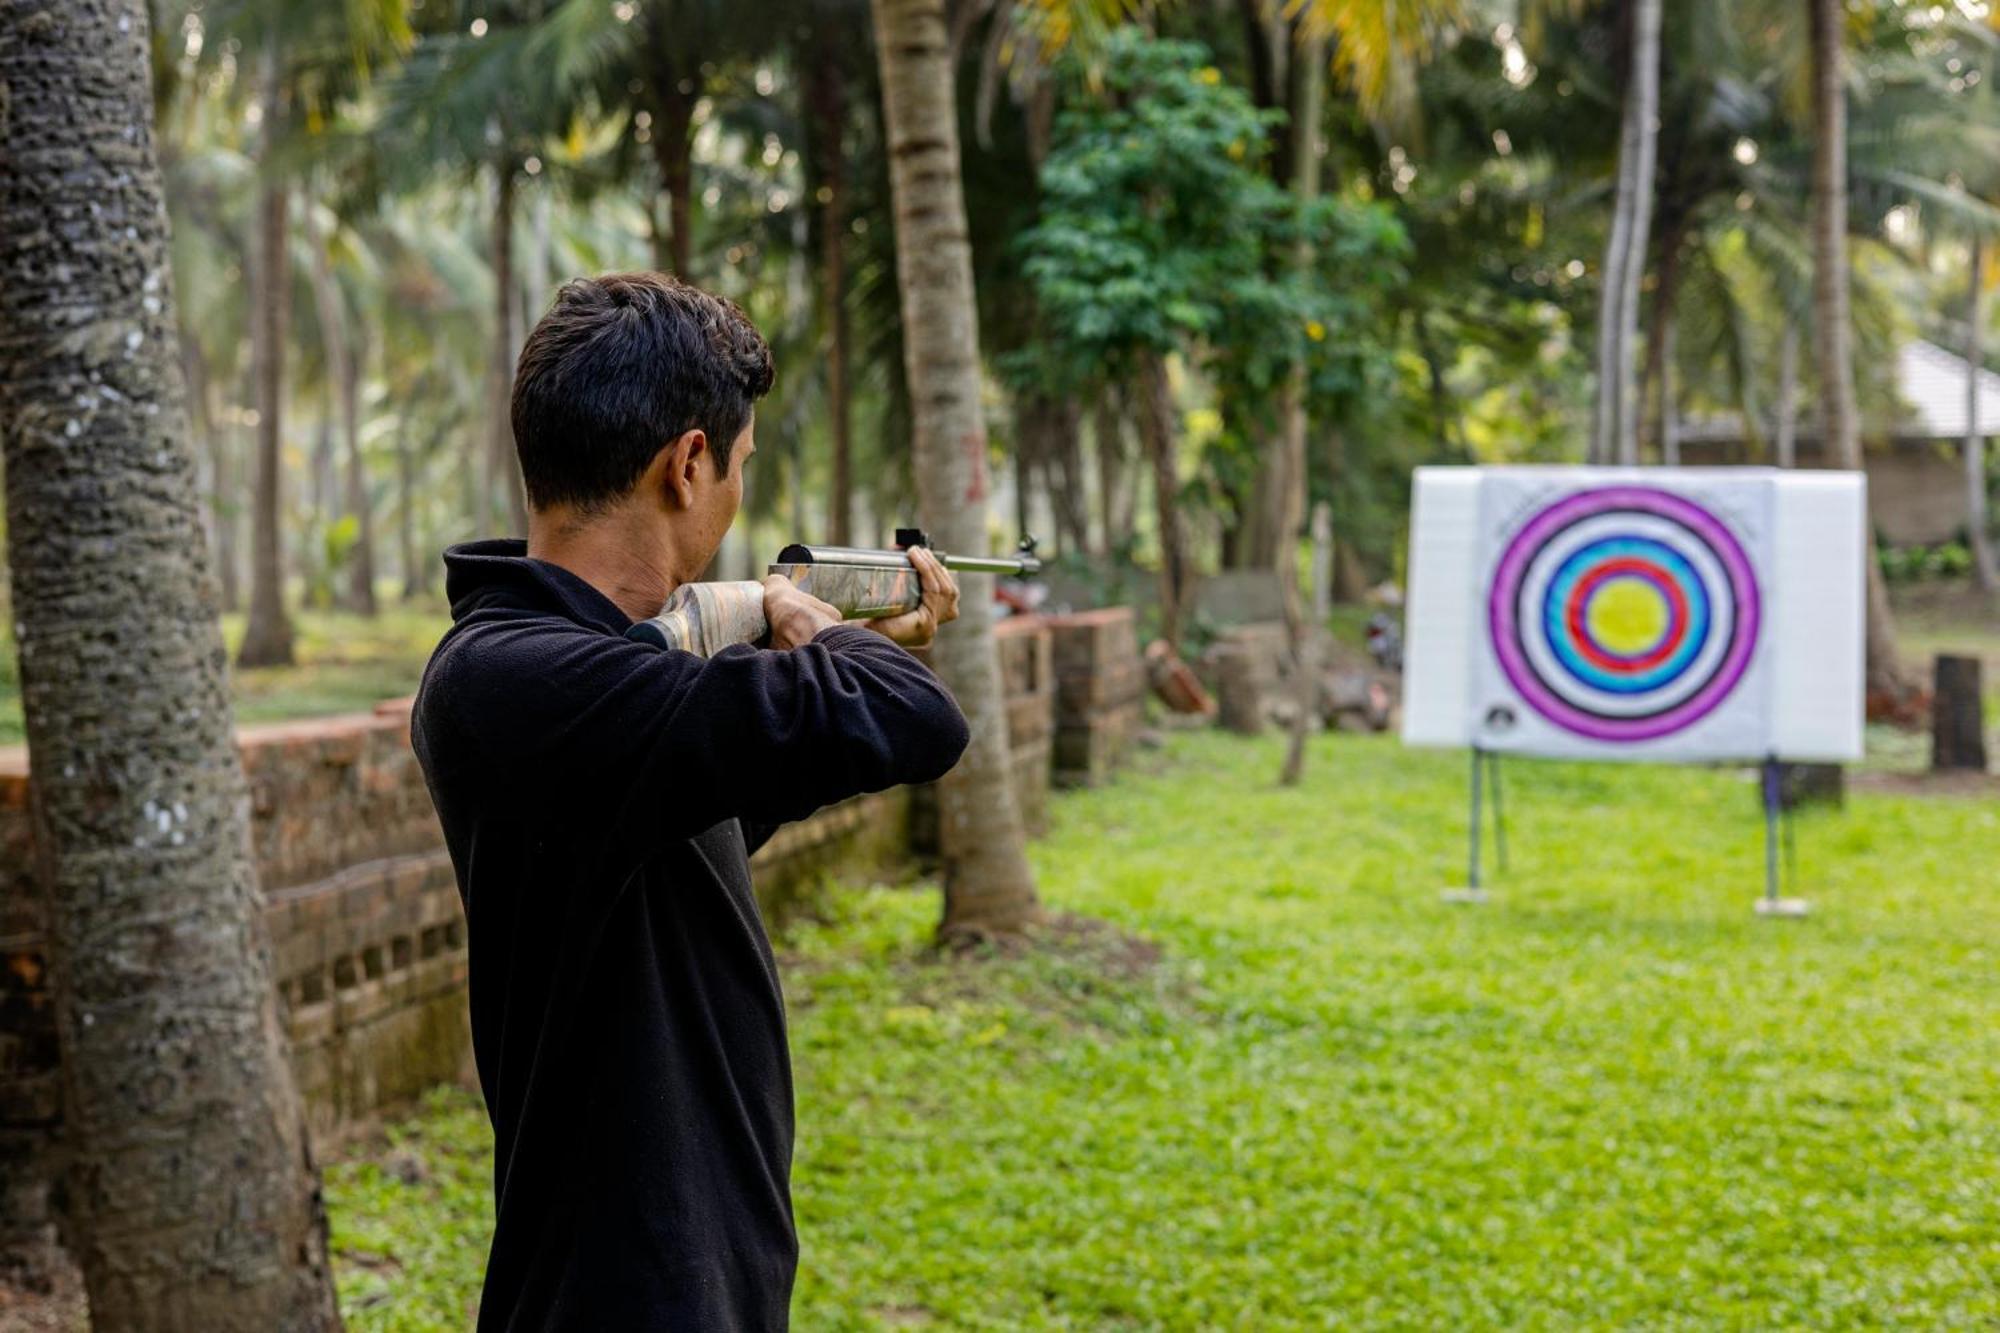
(705, 618)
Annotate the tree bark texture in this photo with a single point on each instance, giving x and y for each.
(344, 375)
(1615, 433)
(1159, 438)
(267, 637)
(988, 886)
(503, 463)
(193, 1202)
(1976, 515)
(1833, 330)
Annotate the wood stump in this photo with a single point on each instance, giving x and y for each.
(1958, 715)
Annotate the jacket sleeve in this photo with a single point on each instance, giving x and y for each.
(669, 743)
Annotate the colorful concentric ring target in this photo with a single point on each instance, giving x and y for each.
(1624, 614)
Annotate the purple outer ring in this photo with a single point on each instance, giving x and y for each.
(1504, 631)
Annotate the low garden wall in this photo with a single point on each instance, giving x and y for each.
(366, 930)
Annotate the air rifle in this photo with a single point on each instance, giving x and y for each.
(704, 618)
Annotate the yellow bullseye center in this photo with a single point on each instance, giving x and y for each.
(1627, 616)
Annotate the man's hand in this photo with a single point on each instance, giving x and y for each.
(914, 629)
(794, 614)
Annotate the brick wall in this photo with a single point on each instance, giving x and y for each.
(1027, 678)
(367, 936)
(1100, 692)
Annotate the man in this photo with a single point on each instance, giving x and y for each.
(600, 799)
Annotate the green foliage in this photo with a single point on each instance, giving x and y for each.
(1612, 1099)
(1918, 563)
(1157, 221)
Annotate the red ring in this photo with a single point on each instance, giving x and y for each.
(1579, 598)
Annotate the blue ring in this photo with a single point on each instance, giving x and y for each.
(1556, 597)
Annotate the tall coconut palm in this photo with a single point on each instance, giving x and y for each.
(344, 375)
(1983, 568)
(1615, 423)
(193, 1202)
(267, 638)
(1833, 333)
(988, 885)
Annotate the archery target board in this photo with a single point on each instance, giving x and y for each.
(1610, 613)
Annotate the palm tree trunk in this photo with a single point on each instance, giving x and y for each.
(1291, 513)
(674, 93)
(1656, 379)
(193, 1203)
(1840, 426)
(1108, 435)
(267, 638)
(1158, 437)
(361, 559)
(344, 375)
(1785, 436)
(207, 438)
(406, 513)
(223, 502)
(988, 887)
(1615, 437)
(1975, 443)
(826, 101)
(503, 465)
(1063, 473)
(1670, 414)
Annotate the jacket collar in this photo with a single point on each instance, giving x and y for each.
(500, 572)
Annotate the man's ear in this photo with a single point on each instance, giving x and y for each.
(671, 474)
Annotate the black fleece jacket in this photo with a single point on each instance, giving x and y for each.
(626, 1017)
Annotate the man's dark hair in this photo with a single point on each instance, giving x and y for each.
(621, 366)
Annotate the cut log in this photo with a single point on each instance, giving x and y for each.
(1958, 715)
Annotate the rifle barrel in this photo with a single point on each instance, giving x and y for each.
(865, 558)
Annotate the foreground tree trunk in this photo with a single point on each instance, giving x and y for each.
(267, 638)
(1615, 431)
(1840, 425)
(1975, 443)
(193, 1203)
(988, 888)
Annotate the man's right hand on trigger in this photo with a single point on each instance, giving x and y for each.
(793, 614)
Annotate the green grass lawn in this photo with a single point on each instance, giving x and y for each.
(1611, 1098)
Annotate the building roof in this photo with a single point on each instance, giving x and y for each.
(1929, 380)
(1932, 382)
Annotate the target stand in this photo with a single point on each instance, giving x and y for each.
(1655, 615)
(1485, 778)
(1777, 829)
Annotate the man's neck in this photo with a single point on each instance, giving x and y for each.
(624, 556)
